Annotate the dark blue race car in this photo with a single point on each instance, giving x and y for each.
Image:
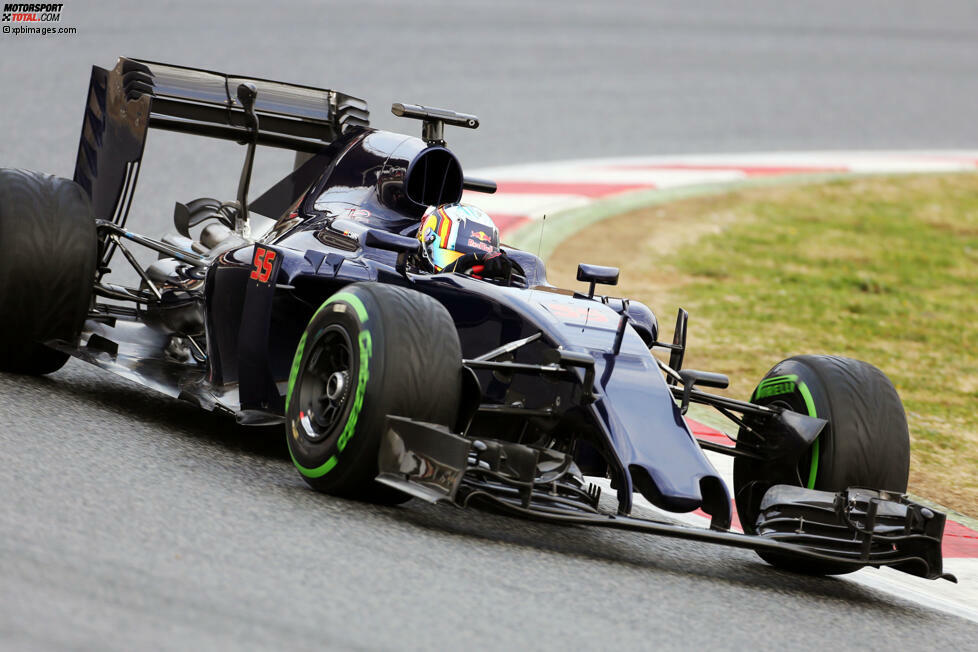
(408, 353)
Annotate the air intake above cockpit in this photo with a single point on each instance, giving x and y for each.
(434, 178)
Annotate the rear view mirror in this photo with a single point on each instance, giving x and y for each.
(595, 274)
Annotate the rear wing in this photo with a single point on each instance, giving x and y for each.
(124, 102)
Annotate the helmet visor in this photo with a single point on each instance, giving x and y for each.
(442, 258)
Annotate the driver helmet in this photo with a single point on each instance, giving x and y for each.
(450, 231)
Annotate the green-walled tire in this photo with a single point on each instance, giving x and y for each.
(865, 444)
(371, 350)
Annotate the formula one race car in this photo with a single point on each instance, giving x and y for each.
(408, 354)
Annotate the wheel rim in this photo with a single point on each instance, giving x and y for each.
(324, 389)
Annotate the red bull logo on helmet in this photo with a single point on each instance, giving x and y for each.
(480, 240)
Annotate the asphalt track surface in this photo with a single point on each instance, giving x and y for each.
(129, 520)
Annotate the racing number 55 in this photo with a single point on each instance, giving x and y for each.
(264, 259)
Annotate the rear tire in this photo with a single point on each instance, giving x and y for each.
(47, 268)
(865, 444)
(371, 350)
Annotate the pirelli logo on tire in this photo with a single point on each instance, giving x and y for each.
(31, 12)
(776, 386)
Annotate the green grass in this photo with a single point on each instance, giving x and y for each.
(883, 269)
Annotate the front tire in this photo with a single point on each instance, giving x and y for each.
(370, 351)
(865, 444)
(47, 268)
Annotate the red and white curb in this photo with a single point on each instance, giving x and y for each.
(529, 192)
